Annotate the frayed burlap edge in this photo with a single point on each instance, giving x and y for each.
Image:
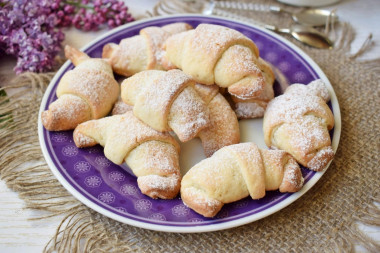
(25, 171)
(83, 230)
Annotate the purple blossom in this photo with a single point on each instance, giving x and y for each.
(31, 29)
(92, 15)
(28, 32)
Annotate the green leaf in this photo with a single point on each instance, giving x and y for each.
(3, 93)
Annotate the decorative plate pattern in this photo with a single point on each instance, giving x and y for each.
(112, 190)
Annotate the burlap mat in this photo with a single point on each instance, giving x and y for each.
(324, 219)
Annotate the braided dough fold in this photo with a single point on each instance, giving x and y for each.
(86, 92)
(141, 52)
(299, 122)
(152, 156)
(255, 107)
(223, 129)
(214, 54)
(235, 172)
(166, 101)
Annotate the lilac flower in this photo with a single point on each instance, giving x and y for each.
(28, 32)
(30, 29)
(91, 15)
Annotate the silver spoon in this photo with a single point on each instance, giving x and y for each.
(306, 34)
(311, 17)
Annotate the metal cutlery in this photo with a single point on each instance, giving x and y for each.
(304, 33)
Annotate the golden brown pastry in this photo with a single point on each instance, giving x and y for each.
(141, 52)
(214, 54)
(152, 156)
(120, 107)
(235, 172)
(166, 101)
(223, 129)
(86, 92)
(299, 122)
(255, 107)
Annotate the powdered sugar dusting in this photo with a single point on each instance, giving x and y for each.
(159, 182)
(96, 64)
(86, 92)
(309, 132)
(252, 90)
(122, 133)
(177, 27)
(157, 168)
(210, 172)
(216, 37)
(200, 198)
(188, 114)
(120, 108)
(66, 113)
(223, 129)
(292, 175)
(249, 110)
(316, 87)
(129, 49)
(299, 122)
(164, 89)
(236, 171)
(247, 62)
(163, 158)
(82, 140)
(130, 131)
(288, 107)
(141, 52)
(238, 69)
(96, 87)
(319, 88)
(156, 164)
(68, 107)
(236, 63)
(155, 37)
(248, 151)
(154, 101)
(321, 159)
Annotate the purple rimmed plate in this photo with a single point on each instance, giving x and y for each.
(112, 190)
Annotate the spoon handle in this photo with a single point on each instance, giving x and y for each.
(277, 29)
(252, 21)
(236, 5)
(310, 37)
(228, 14)
(278, 9)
